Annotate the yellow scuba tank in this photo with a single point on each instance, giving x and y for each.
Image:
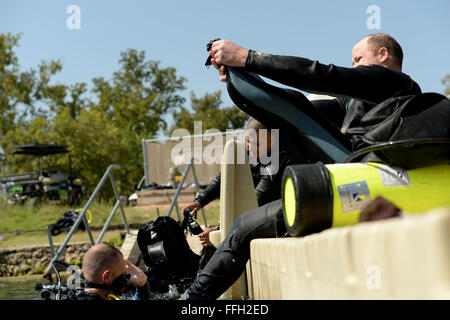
(317, 196)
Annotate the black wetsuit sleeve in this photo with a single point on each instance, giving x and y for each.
(372, 84)
(211, 192)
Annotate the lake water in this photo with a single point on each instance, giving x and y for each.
(20, 288)
(23, 288)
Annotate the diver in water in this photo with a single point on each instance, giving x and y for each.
(376, 76)
(107, 275)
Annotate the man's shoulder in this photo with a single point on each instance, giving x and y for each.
(402, 80)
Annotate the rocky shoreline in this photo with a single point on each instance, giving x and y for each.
(35, 259)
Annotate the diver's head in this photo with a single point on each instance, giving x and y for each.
(104, 265)
(258, 139)
(379, 49)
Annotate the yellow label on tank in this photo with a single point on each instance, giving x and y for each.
(413, 191)
(289, 201)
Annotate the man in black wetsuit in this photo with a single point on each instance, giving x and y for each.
(266, 175)
(376, 76)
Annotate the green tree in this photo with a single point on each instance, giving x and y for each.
(446, 83)
(16, 87)
(26, 95)
(140, 94)
(135, 102)
(106, 128)
(207, 109)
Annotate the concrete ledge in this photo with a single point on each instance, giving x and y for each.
(130, 248)
(398, 258)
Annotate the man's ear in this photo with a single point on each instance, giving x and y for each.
(106, 276)
(383, 53)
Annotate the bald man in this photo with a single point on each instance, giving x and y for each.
(107, 274)
(374, 77)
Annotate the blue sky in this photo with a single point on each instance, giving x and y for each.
(175, 32)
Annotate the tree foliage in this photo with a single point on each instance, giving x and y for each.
(101, 126)
(446, 83)
(139, 94)
(207, 109)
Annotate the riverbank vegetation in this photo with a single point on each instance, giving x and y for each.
(102, 121)
(25, 225)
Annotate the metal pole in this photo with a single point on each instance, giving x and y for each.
(177, 210)
(144, 153)
(157, 212)
(198, 190)
(58, 294)
(108, 221)
(88, 229)
(119, 198)
(174, 201)
(50, 241)
(81, 215)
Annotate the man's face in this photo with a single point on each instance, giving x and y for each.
(258, 146)
(362, 55)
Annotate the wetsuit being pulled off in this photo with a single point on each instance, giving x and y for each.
(376, 76)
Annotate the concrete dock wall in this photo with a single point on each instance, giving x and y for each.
(397, 258)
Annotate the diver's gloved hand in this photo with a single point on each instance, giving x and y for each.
(226, 53)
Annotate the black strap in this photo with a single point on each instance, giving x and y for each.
(97, 286)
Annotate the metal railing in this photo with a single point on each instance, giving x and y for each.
(174, 202)
(81, 217)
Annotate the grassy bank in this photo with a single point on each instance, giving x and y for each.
(15, 219)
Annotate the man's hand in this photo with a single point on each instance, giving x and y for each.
(204, 236)
(224, 52)
(138, 277)
(193, 205)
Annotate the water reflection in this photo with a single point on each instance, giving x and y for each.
(20, 288)
(23, 288)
